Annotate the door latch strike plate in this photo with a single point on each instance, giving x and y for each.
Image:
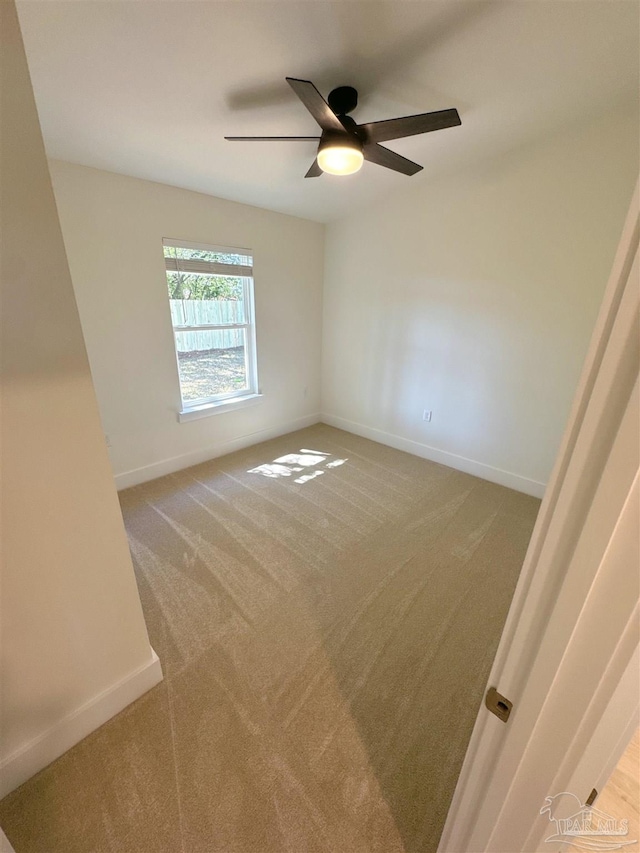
(498, 704)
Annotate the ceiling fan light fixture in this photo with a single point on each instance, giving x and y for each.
(340, 158)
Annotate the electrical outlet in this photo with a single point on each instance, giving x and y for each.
(426, 415)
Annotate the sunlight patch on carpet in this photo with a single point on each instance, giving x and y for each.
(295, 463)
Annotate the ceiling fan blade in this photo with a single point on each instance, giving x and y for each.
(397, 128)
(271, 138)
(375, 153)
(316, 104)
(314, 170)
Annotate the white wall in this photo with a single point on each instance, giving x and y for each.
(74, 644)
(474, 296)
(113, 228)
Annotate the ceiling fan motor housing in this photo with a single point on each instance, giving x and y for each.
(350, 138)
(343, 100)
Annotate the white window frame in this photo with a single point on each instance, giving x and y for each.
(231, 399)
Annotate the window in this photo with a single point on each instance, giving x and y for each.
(211, 300)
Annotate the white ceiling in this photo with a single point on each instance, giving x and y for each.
(150, 87)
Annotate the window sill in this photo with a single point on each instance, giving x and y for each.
(206, 409)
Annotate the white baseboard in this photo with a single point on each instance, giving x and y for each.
(195, 457)
(51, 744)
(452, 460)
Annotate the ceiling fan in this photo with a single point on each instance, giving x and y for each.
(344, 145)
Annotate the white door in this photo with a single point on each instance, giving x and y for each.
(573, 625)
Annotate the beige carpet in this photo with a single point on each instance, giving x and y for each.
(326, 610)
